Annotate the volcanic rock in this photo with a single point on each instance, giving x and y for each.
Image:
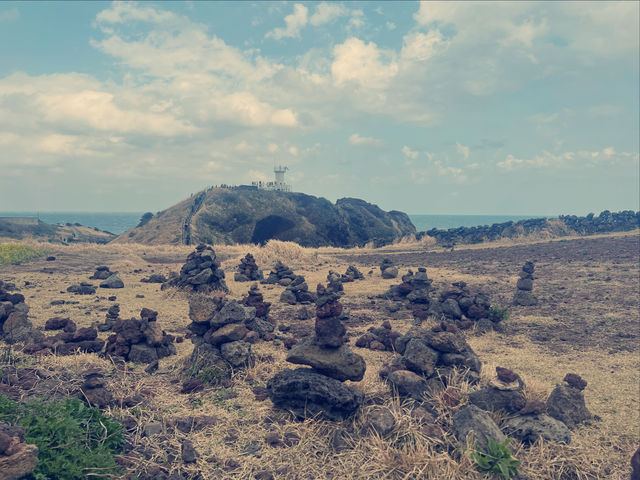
(200, 273)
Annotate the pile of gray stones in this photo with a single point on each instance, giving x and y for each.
(297, 292)
(457, 304)
(524, 287)
(319, 390)
(201, 273)
(280, 275)
(110, 279)
(69, 341)
(387, 269)
(140, 340)
(248, 270)
(14, 324)
(426, 366)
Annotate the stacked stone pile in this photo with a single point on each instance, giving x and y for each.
(14, 324)
(428, 358)
(248, 271)
(281, 275)
(320, 390)
(387, 269)
(334, 282)
(94, 389)
(69, 341)
(255, 299)
(352, 274)
(220, 328)
(112, 316)
(414, 291)
(297, 292)
(201, 272)
(456, 304)
(140, 341)
(111, 279)
(524, 296)
(102, 273)
(83, 288)
(379, 338)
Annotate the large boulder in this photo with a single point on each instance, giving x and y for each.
(339, 363)
(307, 394)
(113, 281)
(529, 428)
(566, 404)
(408, 384)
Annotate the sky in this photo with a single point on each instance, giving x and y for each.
(505, 108)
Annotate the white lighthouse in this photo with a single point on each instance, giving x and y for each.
(279, 184)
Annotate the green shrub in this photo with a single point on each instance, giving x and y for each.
(74, 441)
(498, 314)
(15, 252)
(496, 459)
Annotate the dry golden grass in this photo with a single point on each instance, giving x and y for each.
(598, 451)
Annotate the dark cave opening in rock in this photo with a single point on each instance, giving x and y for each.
(270, 227)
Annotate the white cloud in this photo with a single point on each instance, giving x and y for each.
(359, 141)
(294, 151)
(327, 12)
(462, 150)
(357, 19)
(363, 64)
(419, 46)
(407, 152)
(578, 159)
(294, 23)
(390, 26)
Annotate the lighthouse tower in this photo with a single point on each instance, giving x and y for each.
(278, 185)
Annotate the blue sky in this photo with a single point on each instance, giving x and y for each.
(435, 108)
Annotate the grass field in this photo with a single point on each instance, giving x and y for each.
(16, 252)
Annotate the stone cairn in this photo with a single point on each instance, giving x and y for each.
(14, 324)
(101, 273)
(255, 299)
(297, 292)
(281, 275)
(248, 271)
(387, 269)
(334, 282)
(110, 279)
(82, 288)
(220, 330)
(69, 341)
(112, 316)
(320, 390)
(523, 296)
(201, 272)
(456, 305)
(379, 338)
(140, 341)
(414, 291)
(352, 274)
(427, 360)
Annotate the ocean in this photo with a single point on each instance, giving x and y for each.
(119, 222)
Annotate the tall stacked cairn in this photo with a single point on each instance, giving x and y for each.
(320, 390)
(248, 270)
(524, 296)
(201, 273)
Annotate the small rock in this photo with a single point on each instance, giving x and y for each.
(152, 429)
(506, 375)
(188, 452)
(576, 381)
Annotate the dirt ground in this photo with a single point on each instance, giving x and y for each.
(587, 322)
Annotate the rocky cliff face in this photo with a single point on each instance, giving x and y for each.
(245, 215)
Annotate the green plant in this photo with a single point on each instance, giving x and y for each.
(498, 314)
(74, 441)
(15, 252)
(496, 459)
